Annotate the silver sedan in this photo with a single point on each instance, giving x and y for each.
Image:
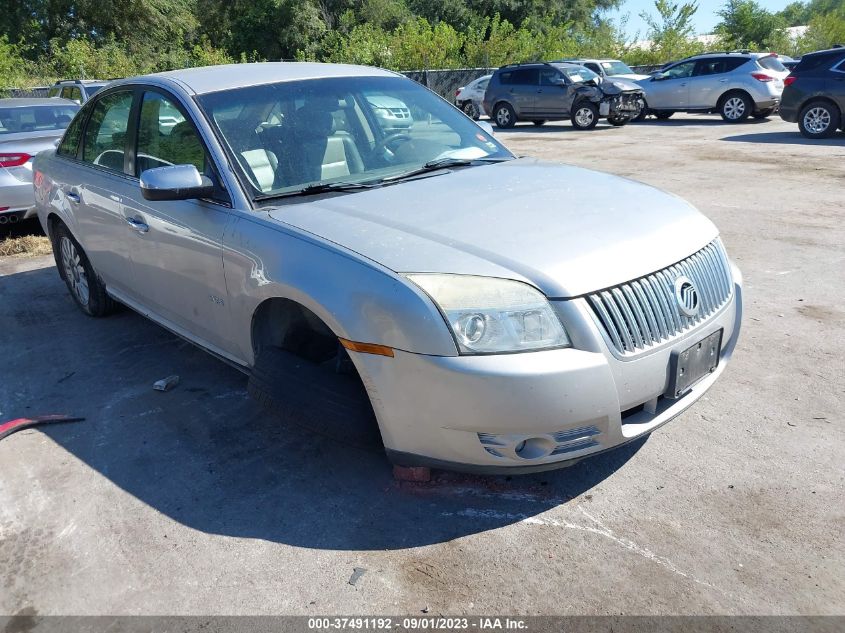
(27, 126)
(279, 225)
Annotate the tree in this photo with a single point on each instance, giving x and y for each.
(671, 32)
(745, 24)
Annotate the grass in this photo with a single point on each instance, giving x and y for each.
(25, 246)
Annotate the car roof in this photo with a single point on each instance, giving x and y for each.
(828, 51)
(579, 60)
(19, 102)
(207, 79)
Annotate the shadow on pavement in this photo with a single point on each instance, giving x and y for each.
(208, 457)
(787, 138)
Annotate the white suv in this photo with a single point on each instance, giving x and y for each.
(736, 85)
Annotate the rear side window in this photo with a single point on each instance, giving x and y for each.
(70, 141)
(73, 93)
(105, 134)
(718, 66)
(772, 63)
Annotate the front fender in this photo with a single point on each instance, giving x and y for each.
(357, 298)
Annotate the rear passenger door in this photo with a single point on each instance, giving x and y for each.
(96, 184)
(710, 80)
(523, 88)
(176, 245)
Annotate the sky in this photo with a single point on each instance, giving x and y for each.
(705, 19)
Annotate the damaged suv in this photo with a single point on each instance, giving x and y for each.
(540, 92)
(280, 226)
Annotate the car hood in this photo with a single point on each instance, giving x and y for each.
(568, 231)
(615, 85)
(631, 77)
(383, 101)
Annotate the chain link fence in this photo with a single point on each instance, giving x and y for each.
(446, 82)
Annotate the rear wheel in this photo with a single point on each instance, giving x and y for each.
(585, 115)
(618, 121)
(763, 114)
(735, 107)
(471, 111)
(819, 119)
(504, 116)
(665, 114)
(84, 285)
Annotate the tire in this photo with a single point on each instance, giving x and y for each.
(585, 115)
(471, 111)
(735, 107)
(819, 119)
(619, 121)
(504, 116)
(641, 115)
(85, 286)
(539, 122)
(315, 397)
(662, 116)
(763, 114)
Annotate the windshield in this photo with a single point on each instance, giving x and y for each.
(36, 118)
(617, 68)
(283, 137)
(579, 73)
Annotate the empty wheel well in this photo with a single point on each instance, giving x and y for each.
(284, 323)
(52, 221)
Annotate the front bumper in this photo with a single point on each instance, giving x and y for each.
(566, 404)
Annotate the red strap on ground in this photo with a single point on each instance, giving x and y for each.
(7, 428)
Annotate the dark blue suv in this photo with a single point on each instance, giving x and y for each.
(814, 93)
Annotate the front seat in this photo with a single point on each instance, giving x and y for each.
(322, 153)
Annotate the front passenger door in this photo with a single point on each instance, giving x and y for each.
(552, 100)
(672, 91)
(176, 245)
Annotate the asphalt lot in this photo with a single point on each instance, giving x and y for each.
(196, 502)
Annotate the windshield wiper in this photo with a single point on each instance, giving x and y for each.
(320, 187)
(444, 163)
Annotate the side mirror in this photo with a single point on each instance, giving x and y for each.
(485, 125)
(658, 76)
(175, 182)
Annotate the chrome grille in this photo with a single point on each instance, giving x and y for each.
(642, 313)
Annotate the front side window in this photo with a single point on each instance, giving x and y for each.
(550, 77)
(680, 71)
(105, 135)
(285, 136)
(166, 137)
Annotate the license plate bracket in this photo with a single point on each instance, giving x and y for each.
(688, 366)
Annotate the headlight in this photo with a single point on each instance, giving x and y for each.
(489, 315)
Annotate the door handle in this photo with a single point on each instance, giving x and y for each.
(723, 81)
(73, 197)
(137, 225)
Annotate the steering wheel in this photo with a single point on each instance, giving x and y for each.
(383, 145)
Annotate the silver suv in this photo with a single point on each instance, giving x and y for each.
(79, 90)
(280, 226)
(736, 85)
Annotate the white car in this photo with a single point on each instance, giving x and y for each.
(468, 98)
(608, 68)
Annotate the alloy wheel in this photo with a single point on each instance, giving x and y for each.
(584, 116)
(74, 271)
(503, 117)
(817, 120)
(734, 108)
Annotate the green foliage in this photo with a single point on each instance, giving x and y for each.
(824, 31)
(745, 24)
(14, 69)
